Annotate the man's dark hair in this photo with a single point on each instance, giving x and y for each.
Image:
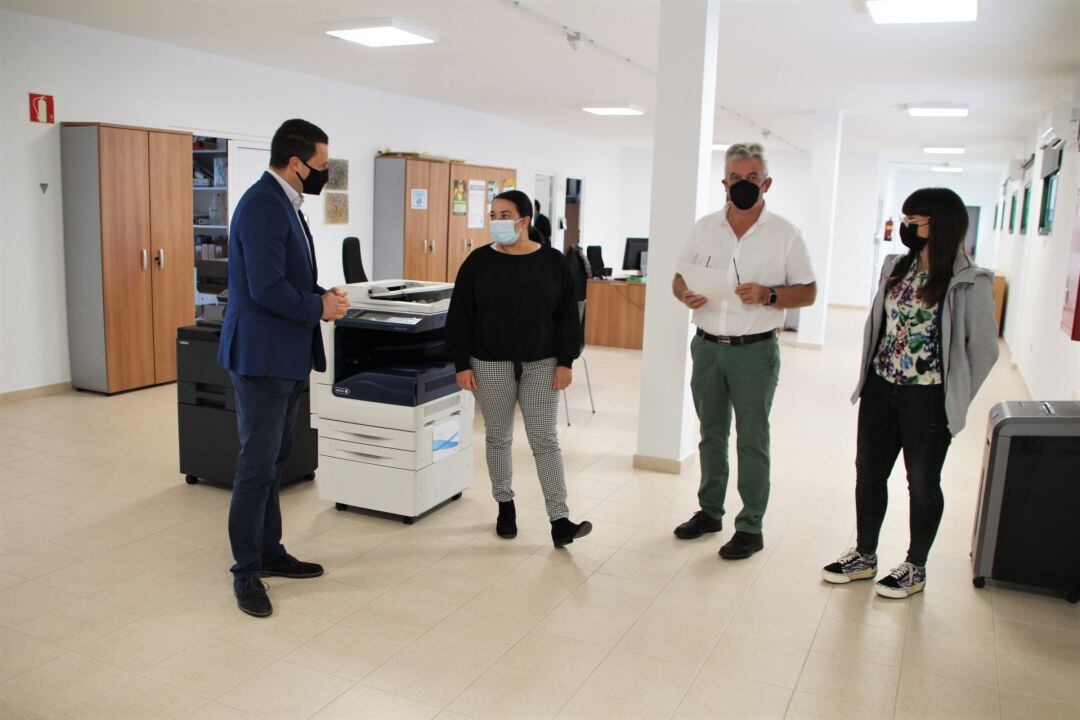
(295, 137)
(536, 204)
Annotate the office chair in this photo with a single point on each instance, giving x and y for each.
(351, 261)
(588, 380)
(596, 260)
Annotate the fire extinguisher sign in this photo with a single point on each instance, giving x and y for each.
(41, 108)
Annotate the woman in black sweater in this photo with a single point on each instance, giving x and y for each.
(513, 332)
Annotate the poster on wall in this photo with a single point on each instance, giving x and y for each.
(335, 208)
(458, 198)
(418, 199)
(339, 175)
(492, 191)
(476, 204)
(508, 185)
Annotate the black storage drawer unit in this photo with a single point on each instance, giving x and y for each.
(206, 406)
(1027, 523)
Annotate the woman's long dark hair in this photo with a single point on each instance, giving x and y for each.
(948, 225)
(525, 209)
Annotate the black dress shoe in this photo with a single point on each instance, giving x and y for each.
(698, 525)
(742, 545)
(289, 567)
(506, 525)
(251, 597)
(564, 532)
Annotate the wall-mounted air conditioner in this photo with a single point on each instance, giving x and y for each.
(1062, 126)
(1016, 168)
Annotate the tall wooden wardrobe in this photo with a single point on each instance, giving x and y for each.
(419, 232)
(128, 252)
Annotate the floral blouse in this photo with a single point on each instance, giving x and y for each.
(910, 349)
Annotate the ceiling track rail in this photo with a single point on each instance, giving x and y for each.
(577, 39)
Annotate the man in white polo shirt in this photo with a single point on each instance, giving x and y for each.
(735, 352)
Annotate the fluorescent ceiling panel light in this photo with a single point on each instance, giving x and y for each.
(944, 150)
(616, 111)
(385, 32)
(721, 147)
(946, 169)
(888, 12)
(937, 111)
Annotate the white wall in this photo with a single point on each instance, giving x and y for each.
(101, 76)
(1035, 267)
(851, 277)
(634, 198)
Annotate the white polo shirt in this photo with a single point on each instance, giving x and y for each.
(771, 253)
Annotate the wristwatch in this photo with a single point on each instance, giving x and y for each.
(772, 296)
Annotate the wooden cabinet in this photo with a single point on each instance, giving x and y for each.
(128, 253)
(419, 234)
(411, 205)
(616, 314)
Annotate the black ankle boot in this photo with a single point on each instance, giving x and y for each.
(506, 525)
(564, 532)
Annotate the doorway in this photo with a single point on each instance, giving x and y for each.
(544, 194)
(574, 190)
(971, 237)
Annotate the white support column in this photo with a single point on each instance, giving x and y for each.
(821, 219)
(682, 166)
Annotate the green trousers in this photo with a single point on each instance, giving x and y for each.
(742, 378)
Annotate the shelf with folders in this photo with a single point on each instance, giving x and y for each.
(210, 222)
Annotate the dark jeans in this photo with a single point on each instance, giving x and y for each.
(265, 416)
(894, 418)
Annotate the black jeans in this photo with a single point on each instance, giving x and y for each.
(894, 418)
(265, 415)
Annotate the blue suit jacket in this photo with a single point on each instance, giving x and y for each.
(272, 318)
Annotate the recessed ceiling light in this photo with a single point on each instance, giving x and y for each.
(620, 111)
(887, 12)
(944, 150)
(946, 169)
(385, 32)
(937, 111)
(720, 147)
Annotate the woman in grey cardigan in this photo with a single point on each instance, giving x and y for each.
(929, 343)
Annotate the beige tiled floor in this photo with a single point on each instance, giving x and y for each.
(115, 599)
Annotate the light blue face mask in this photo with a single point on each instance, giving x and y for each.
(503, 232)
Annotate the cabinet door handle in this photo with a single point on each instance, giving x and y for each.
(432, 245)
(145, 258)
(161, 258)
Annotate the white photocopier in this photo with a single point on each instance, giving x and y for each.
(395, 431)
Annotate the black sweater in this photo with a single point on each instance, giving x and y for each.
(513, 307)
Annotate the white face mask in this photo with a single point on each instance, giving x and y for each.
(504, 232)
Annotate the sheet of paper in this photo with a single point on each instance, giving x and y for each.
(710, 282)
(476, 204)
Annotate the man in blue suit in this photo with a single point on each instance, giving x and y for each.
(270, 341)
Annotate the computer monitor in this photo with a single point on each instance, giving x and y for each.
(632, 253)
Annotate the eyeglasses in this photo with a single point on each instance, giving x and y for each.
(911, 219)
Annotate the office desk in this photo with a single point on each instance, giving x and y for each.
(615, 314)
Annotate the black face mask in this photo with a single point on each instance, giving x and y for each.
(744, 194)
(314, 182)
(909, 235)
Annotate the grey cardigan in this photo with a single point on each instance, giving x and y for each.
(969, 335)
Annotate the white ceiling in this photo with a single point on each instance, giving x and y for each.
(779, 61)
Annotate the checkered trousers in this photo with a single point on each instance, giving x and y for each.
(497, 392)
